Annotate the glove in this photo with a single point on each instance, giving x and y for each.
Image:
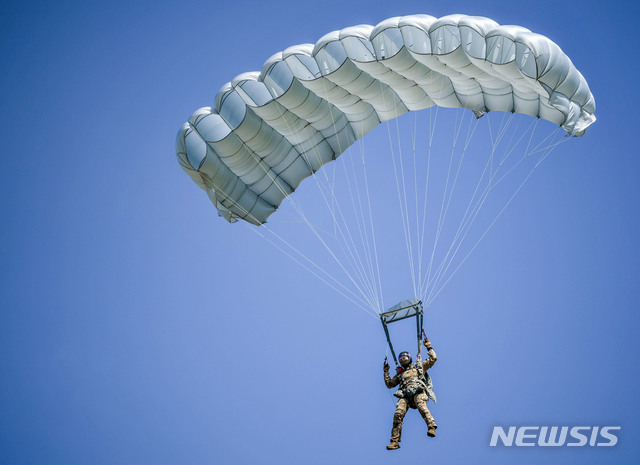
(385, 367)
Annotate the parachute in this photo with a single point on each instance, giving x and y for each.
(269, 130)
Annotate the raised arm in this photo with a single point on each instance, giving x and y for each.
(433, 358)
(388, 380)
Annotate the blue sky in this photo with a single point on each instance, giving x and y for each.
(138, 327)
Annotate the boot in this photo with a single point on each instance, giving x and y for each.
(396, 434)
(431, 432)
(393, 445)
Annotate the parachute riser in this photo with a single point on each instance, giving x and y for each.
(419, 323)
(386, 333)
(401, 313)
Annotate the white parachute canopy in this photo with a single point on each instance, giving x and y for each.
(270, 130)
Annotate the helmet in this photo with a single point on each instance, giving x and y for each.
(408, 359)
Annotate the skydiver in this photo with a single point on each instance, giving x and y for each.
(415, 390)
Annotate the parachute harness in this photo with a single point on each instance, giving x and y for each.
(413, 385)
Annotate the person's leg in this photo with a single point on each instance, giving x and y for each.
(396, 430)
(421, 402)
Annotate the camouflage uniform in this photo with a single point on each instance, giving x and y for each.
(409, 378)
